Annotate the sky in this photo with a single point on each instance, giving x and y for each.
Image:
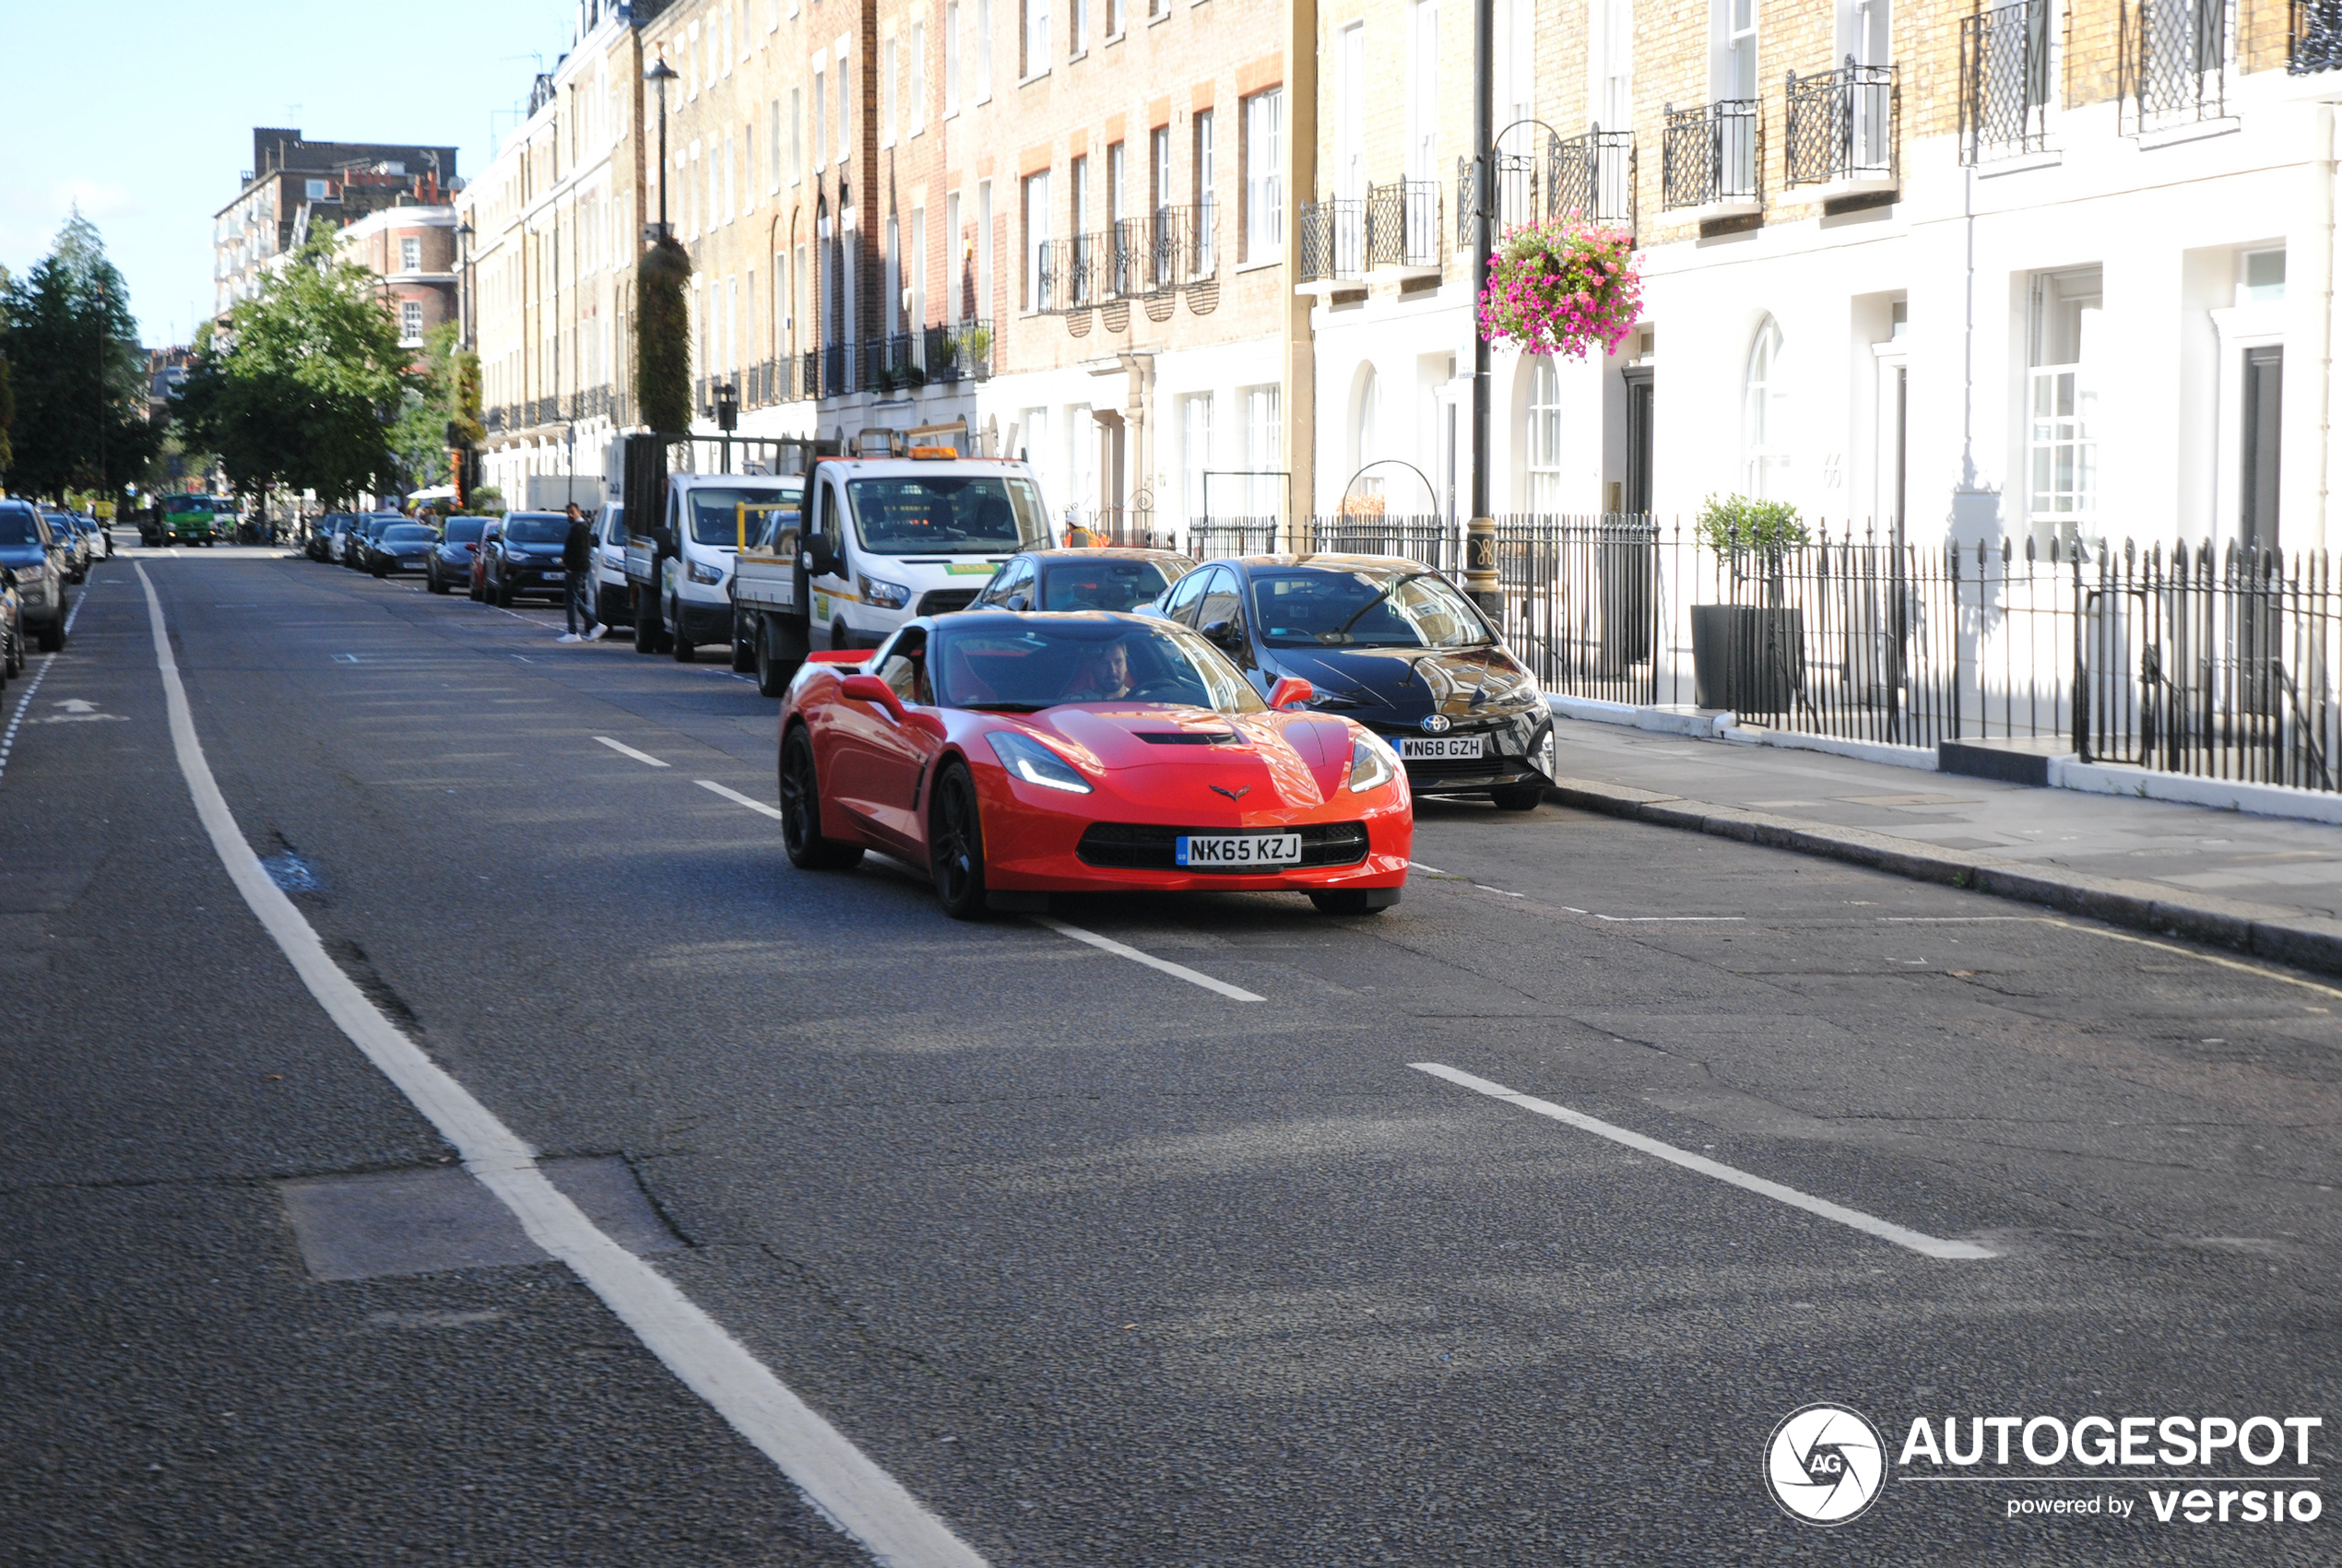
(142, 112)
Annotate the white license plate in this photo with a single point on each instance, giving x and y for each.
(1239, 850)
(1439, 747)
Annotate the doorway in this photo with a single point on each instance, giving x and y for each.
(1641, 401)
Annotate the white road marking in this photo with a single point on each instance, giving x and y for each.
(1930, 1246)
(1656, 919)
(24, 703)
(625, 751)
(1180, 972)
(1421, 867)
(771, 812)
(1486, 888)
(837, 1479)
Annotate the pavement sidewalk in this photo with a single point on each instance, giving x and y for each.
(2260, 884)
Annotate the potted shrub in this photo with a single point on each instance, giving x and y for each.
(1748, 658)
(1560, 287)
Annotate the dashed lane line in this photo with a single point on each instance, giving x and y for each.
(1178, 971)
(24, 703)
(1918, 1242)
(731, 794)
(625, 751)
(837, 1478)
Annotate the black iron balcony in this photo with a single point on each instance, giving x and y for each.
(808, 373)
(2314, 40)
(940, 354)
(837, 370)
(2004, 82)
(1333, 241)
(1842, 128)
(1045, 280)
(1711, 157)
(1594, 176)
(1402, 226)
(1524, 185)
(2174, 69)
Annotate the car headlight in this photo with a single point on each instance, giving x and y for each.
(1035, 763)
(886, 596)
(1371, 765)
(702, 572)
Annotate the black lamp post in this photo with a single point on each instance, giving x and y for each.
(658, 74)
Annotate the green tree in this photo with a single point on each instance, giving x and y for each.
(663, 338)
(446, 395)
(77, 371)
(305, 387)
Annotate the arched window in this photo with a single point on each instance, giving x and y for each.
(1764, 419)
(1369, 396)
(1544, 436)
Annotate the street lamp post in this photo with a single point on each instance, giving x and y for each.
(658, 74)
(1480, 579)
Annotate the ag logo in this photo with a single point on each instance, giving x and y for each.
(1825, 1465)
(1436, 724)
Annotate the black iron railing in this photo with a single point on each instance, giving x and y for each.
(1403, 224)
(1594, 176)
(1712, 153)
(1333, 240)
(808, 373)
(838, 367)
(1842, 126)
(2313, 40)
(2173, 63)
(2004, 82)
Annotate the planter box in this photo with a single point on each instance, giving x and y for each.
(1747, 658)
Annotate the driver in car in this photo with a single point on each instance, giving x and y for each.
(1104, 675)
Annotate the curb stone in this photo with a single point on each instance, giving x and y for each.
(2284, 936)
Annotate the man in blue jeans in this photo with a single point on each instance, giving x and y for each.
(577, 560)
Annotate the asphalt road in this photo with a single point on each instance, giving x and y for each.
(1103, 1266)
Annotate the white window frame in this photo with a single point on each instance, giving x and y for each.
(410, 253)
(2062, 416)
(1035, 25)
(887, 61)
(1035, 198)
(1265, 175)
(984, 50)
(821, 116)
(1765, 456)
(410, 321)
(951, 59)
(1543, 444)
(916, 77)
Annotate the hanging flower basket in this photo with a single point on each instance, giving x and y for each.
(1561, 286)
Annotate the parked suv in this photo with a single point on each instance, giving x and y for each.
(525, 557)
(28, 550)
(451, 562)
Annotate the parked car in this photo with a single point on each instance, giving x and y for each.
(403, 546)
(101, 536)
(34, 554)
(1392, 644)
(75, 544)
(488, 537)
(613, 600)
(1021, 756)
(359, 553)
(450, 562)
(1111, 578)
(322, 533)
(526, 558)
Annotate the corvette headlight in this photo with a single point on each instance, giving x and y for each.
(1035, 763)
(703, 572)
(1371, 766)
(884, 594)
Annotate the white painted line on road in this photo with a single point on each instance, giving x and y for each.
(837, 1479)
(628, 752)
(1932, 1246)
(2214, 959)
(1486, 888)
(24, 703)
(1421, 867)
(1659, 919)
(1178, 971)
(771, 812)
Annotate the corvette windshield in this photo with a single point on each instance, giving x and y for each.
(948, 515)
(1396, 608)
(1033, 663)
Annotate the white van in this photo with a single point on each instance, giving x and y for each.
(707, 515)
(879, 540)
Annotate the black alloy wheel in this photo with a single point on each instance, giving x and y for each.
(502, 595)
(436, 584)
(957, 845)
(1344, 900)
(801, 811)
(1519, 797)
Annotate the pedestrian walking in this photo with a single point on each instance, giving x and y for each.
(577, 560)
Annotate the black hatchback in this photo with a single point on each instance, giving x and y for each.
(1392, 644)
(1111, 577)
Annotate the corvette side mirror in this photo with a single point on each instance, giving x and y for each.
(1291, 691)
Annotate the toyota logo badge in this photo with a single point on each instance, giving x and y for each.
(1437, 724)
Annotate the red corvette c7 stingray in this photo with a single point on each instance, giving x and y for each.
(1021, 755)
